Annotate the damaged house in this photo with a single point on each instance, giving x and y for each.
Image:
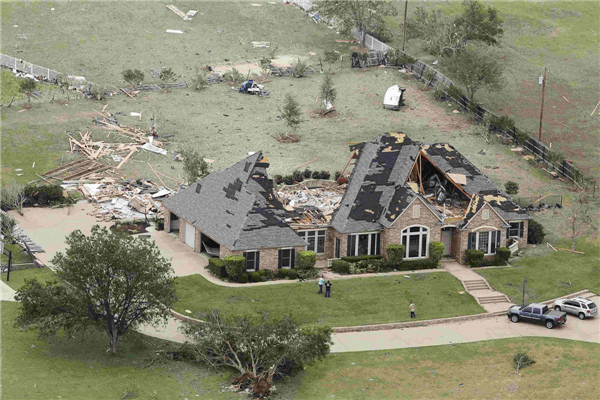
(399, 192)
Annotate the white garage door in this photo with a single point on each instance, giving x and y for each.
(190, 235)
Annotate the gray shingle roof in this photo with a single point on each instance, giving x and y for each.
(236, 207)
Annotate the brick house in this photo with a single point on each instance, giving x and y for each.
(399, 192)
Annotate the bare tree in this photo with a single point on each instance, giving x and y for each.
(13, 197)
(581, 220)
(521, 360)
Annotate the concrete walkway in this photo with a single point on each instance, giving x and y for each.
(478, 287)
(6, 292)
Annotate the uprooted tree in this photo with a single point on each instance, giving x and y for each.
(194, 165)
(27, 87)
(476, 68)
(167, 75)
(327, 92)
(446, 36)
(108, 280)
(259, 351)
(134, 77)
(368, 16)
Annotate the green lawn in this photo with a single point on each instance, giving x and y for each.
(358, 301)
(482, 370)
(18, 278)
(81, 369)
(545, 274)
(19, 256)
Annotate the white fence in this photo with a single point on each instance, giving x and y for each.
(24, 66)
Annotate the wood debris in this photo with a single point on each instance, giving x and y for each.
(313, 206)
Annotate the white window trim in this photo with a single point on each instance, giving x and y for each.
(301, 234)
(416, 211)
(518, 229)
(485, 227)
(489, 249)
(251, 251)
(369, 245)
(485, 214)
(407, 234)
(288, 248)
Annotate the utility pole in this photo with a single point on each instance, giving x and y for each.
(524, 286)
(542, 109)
(404, 35)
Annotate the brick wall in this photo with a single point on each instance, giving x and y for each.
(197, 241)
(522, 241)
(167, 215)
(426, 218)
(182, 224)
(494, 223)
(332, 234)
(269, 258)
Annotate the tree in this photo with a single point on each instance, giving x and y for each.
(476, 68)
(331, 57)
(133, 77)
(27, 87)
(480, 23)
(581, 220)
(107, 280)
(13, 197)
(327, 91)
(167, 75)
(367, 16)
(445, 36)
(511, 187)
(194, 165)
(63, 84)
(521, 360)
(7, 225)
(258, 352)
(291, 113)
(199, 79)
(265, 65)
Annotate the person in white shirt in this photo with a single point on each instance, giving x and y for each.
(321, 283)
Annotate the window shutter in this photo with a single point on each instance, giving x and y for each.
(245, 260)
(293, 258)
(279, 260)
(378, 250)
(349, 240)
(470, 241)
(499, 233)
(493, 243)
(521, 227)
(257, 265)
(507, 233)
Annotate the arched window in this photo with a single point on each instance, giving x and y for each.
(416, 241)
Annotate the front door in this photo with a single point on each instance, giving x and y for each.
(447, 240)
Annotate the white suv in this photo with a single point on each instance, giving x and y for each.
(583, 308)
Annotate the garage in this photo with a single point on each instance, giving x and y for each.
(190, 235)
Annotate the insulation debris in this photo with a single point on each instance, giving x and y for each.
(313, 206)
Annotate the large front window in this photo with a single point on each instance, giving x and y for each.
(364, 244)
(416, 241)
(252, 260)
(315, 239)
(487, 241)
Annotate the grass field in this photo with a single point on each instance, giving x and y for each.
(19, 256)
(18, 278)
(483, 370)
(562, 36)
(353, 301)
(81, 369)
(545, 273)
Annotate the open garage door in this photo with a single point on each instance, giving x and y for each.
(190, 235)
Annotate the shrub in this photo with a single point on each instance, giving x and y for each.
(300, 68)
(522, 137)
(325, 175)
(216, 266)
(502, 256)
(375, 265)
(511, 187)
(340, 267)
(282, 273)
(133, 77)
(307, 173)
(160, 224)
(395, 253)
(268, 274)
(255, 277)
(535, 232)
(316, 175)
(436, 252)
(234, 266)
(233, 76)
(194, 165)
(298, 176)
(291, 274)
(243, 278)
(337, 175)
(278, 179)
(415, 265)
(355, 259)
(199, 79)
(306, 260)
(307, 273)
(502, 123)
(454, 92)
(43, 195)
(288, 180)
(474, 258)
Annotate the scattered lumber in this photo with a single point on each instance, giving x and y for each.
(127, 93)
(552, 247)
(159, 178)
(123, 161)
(595, 108)
(572, 251)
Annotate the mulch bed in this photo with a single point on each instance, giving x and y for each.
(131, 228)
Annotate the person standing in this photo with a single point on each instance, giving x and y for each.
(328, 289)
(321, 283)
(412, 308)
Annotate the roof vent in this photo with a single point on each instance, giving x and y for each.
(198, 187)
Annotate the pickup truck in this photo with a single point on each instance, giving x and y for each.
(538, 313)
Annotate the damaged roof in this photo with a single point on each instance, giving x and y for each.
(378, 192)
(237, 207)
(450, 161)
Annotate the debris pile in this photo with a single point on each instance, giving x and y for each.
(314, 206)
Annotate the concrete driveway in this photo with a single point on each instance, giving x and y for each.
(464, 332)
(49, 228)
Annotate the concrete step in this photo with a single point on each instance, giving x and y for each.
(492, 299)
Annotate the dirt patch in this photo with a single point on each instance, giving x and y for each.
(358, 49)
(288, 139)
(253, 67)
(131, 228)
